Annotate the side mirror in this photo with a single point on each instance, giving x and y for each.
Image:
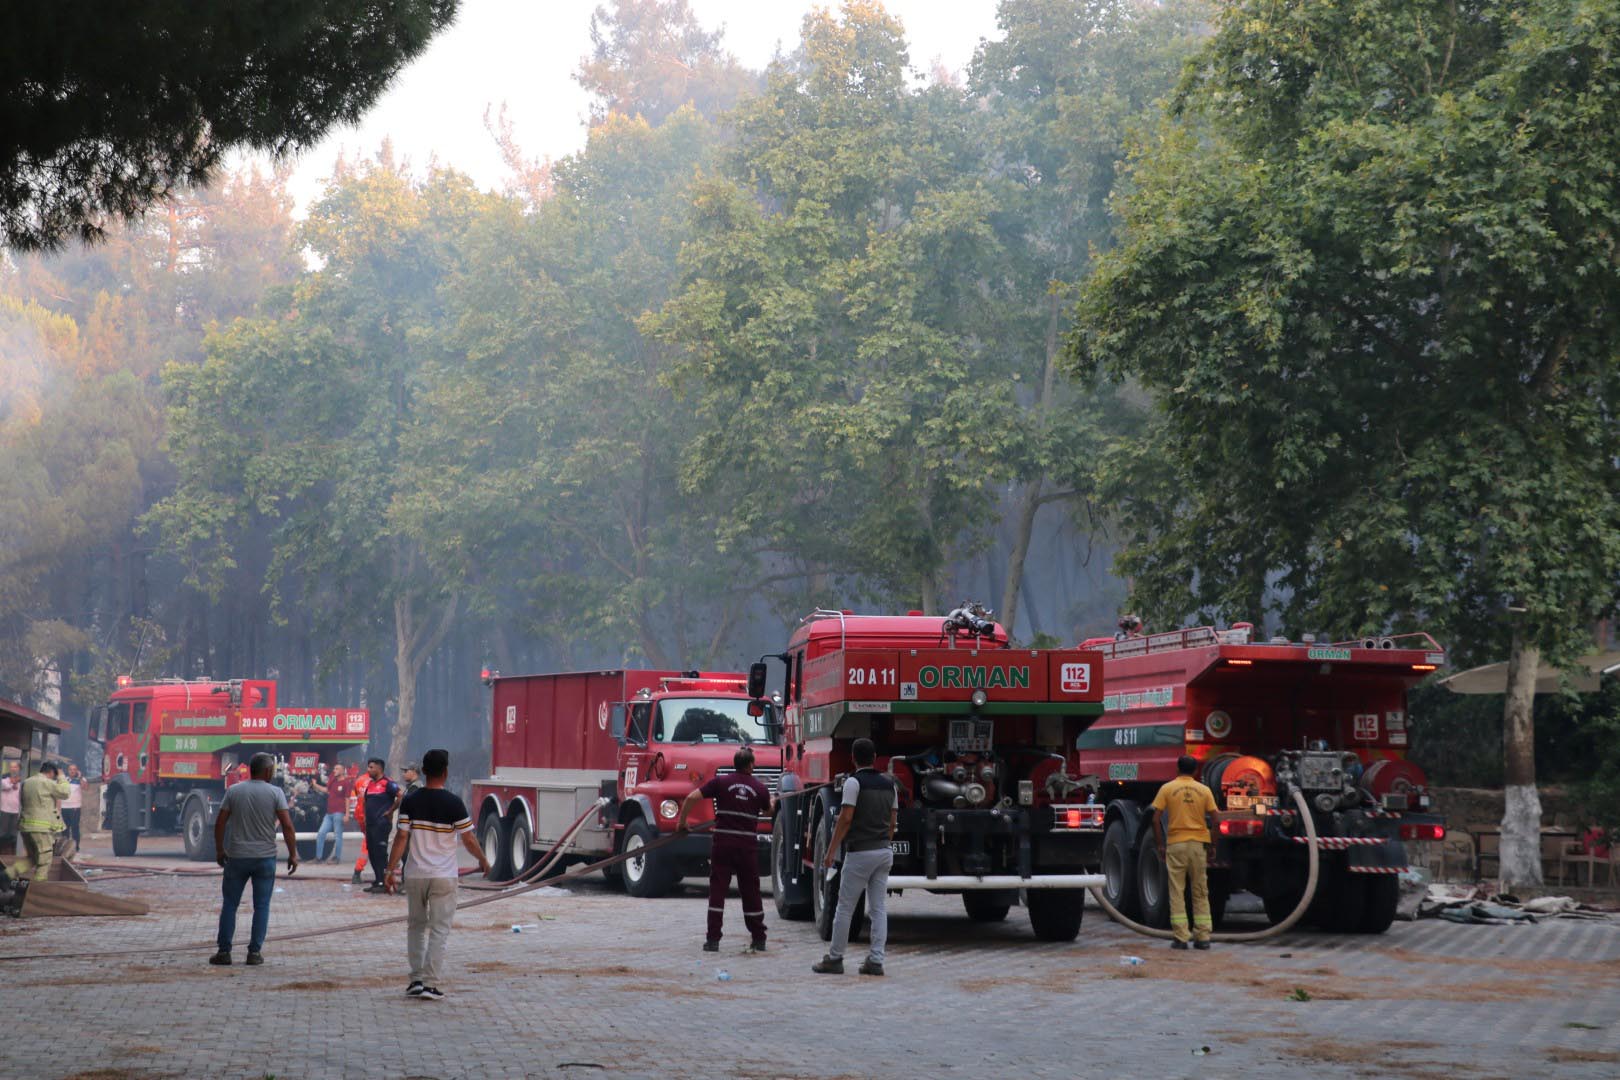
(756, 681)
(756, 708)
(618, 722)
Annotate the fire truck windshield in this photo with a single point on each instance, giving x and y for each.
(710, 720)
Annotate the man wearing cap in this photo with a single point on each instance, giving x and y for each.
(41, 819)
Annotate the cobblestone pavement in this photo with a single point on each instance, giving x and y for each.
(601, 984)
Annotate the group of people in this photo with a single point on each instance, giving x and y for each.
(431, 823)
(371, 799)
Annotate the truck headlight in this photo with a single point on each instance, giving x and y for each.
(668, 809)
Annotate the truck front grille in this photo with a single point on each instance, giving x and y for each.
(770, 777)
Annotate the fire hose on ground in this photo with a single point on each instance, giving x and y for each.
(1313, 861)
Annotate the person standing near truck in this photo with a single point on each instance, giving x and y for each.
(11, 802)
(382, 798)
(337, 809)
(40, 820)
(866, 819)
(73, 805)
(245, 848)
(432, 821)
(739, 800)
(1183, 827)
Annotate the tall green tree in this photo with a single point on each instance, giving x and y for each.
(836, 321)
(105, 111)
(1369, 273)
(1064, 85)
(295, 424)
(651, 57)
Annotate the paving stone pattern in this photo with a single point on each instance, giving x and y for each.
(600, 979)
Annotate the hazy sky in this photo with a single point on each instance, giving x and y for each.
(524, 53)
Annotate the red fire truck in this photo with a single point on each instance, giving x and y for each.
(170, 748)
(1265, 719)
(975, 734)
(641, 740)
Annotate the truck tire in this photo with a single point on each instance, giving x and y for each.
(652, 874)
(1055, 914)
(492, 838)
(792, 898)
(197, 831)
(1346, 900)
(824, 888)
(1152, 884)
(520, 853)
(989, 905)
(124, 838)
(1119, 868)
(1382, 895)
(1281, 902)
(1220, 891)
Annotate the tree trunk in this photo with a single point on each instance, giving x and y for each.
(1023, 529)
(414, 642)
(930, 595)
(1520, 857)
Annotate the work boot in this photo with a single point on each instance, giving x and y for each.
(1178, 945)
(757, 945)
(356, 879)
(828, 965)
(871, 967)
(711, 946)
(1201, 946)
(254, 959)
(220, 959)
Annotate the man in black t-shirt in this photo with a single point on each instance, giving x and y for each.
(739, 802)
(434, 822)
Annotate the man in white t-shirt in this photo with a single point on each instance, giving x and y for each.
(433, 822)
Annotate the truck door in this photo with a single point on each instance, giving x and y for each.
(632, 759)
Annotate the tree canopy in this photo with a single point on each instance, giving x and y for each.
(104, 111)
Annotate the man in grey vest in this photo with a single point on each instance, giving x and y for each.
(865, 829)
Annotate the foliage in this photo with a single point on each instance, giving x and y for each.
(106, 113)
(1368, 273)
(650, 57)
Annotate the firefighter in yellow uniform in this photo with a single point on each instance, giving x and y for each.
(1183, 826)
(41, 821)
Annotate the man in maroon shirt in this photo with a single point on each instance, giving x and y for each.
(337, 809)
(739, 801)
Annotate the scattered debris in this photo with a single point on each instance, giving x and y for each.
(1483, 904)
(1200, 1051)
(1131, 961)
(1299, 994)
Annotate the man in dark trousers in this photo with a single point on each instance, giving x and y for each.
(245, 846)
(739, 802)
(865, 829)
(382, 798)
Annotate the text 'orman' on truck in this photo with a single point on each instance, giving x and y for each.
(170, 748)
(976, 735)
(1265, 719)
(641, 740)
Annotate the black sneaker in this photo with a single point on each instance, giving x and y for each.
(415, 989)
(828, 965)
(1178, 945)
(1202, 946)
(757, 945)
(871, 967)
(220, 959)
(254, 959)
(356, 879)
(431, 993)
(376, 887)
(711, 946)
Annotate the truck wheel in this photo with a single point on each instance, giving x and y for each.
(1382, 897)
(519, 849)
(1218, 896)
(199, 837)
(824, 892)
(492, 838)
(1055, 914)
(1152, 885)
(1345, 903)
(124, 838)
(1280, 902)
(791, 898)
(648, 875)
(989, 905)
(1119, 870)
